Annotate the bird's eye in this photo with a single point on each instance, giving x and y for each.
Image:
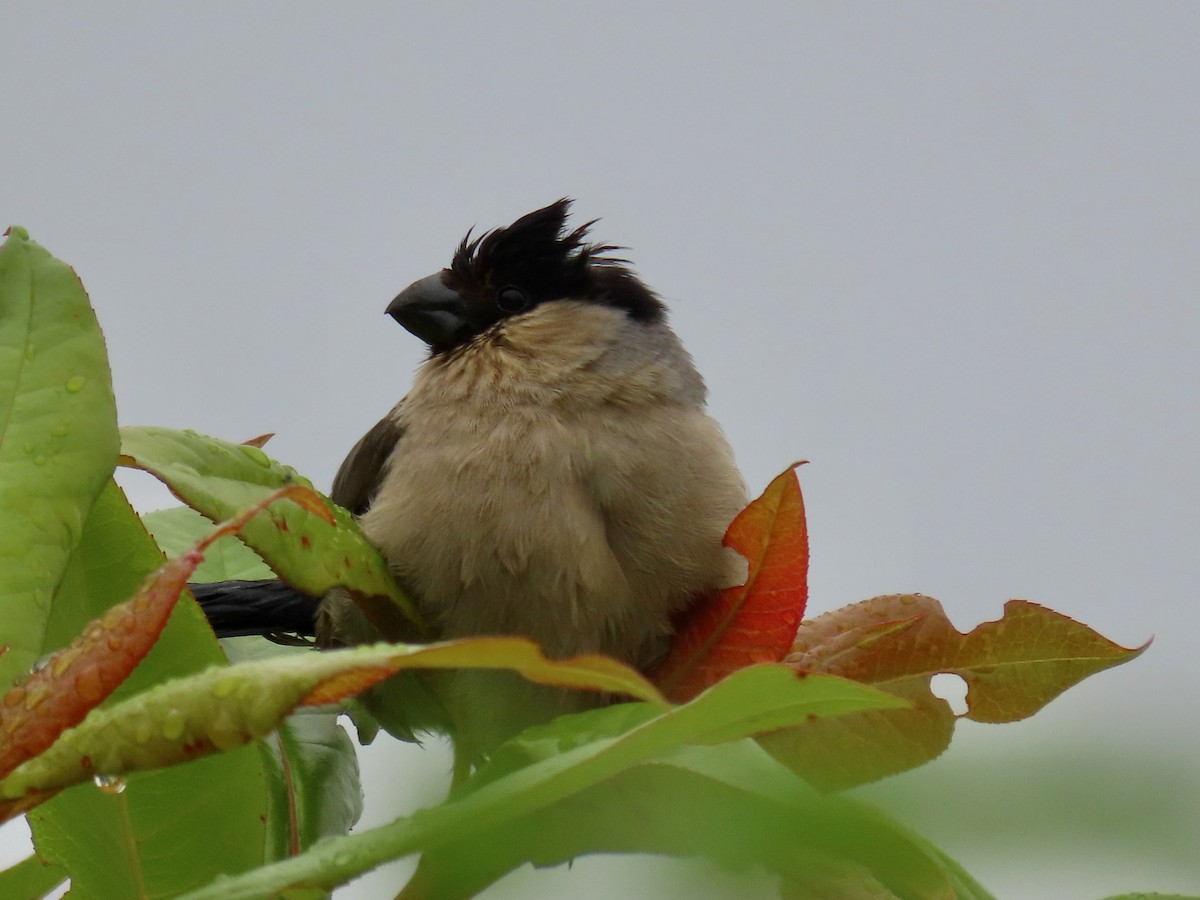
(511, 299)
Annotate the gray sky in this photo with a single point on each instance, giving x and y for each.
(946, 252)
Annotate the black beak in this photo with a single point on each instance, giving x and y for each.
(432, 312)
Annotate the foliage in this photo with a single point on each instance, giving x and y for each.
(151, 766)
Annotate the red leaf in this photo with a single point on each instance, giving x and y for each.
(82, 675)
(755, 622)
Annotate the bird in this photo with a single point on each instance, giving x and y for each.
(553, 472)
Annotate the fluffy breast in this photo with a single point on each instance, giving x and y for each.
(559, 480)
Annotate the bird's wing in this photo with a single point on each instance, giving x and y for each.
(361, 473)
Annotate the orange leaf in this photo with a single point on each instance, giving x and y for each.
(1012, 667)
(754, 622)
(82, 675)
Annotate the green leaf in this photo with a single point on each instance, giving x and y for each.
(741, 704)
(316, 791)
(311, 764)
(749, 701)
(219, 479)
(31, 877)
(224, 707)
(746, 702)
(1013, 667)
(177, 529)
(58, 437)
(160, 835)
(731, 803)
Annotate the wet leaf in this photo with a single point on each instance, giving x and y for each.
(79, 677)
(58, 438)
(1012, 667)
(218, 479)
(755, 622)
(226, 707)
(157, 837)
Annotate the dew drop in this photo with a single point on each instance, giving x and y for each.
(110, 784)
(75, 384)
(90, 686)
(39, 460)
(341, 859)
(59, 430)
(30, 352)
(172, 727)
(28, 448)
(257, 455)
(908, 599)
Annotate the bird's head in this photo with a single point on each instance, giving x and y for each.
(510, 272)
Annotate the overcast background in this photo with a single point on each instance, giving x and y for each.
(949, 253)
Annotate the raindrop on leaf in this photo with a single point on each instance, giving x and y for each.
(110, 784)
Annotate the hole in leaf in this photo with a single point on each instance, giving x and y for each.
(952, 689)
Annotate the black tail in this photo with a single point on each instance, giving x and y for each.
(238, 608)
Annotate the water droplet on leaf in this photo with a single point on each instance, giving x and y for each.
(110, 784)
(173, 722)
(75, 384)
(257, 455)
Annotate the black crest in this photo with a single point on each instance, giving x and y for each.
(539, 256)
